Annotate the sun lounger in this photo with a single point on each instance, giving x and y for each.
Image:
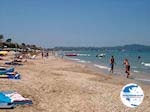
(7, 106)
(33, 57)
(1, 58)
(3, 53)
(13, 63)
(11, 76)
(5, 102)
(10, 99)
(17, 99)
(17, 60)
(4, 70)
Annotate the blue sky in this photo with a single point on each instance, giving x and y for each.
(50, 23)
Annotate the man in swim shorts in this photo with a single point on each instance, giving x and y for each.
(127, 67)
(112, 61)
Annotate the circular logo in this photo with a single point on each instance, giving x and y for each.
(132, 95)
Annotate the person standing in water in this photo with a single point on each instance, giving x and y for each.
(112, 62)
(139, 59)
(127, 67)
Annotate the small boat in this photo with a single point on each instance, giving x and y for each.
(100, 55)
(71, 54)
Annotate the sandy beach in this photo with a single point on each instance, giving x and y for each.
(59, 85)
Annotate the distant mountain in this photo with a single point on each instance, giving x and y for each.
(125, 47)
(136, 47)
(132, 47)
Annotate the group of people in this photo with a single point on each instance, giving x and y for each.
(45, 54)
(126, 63)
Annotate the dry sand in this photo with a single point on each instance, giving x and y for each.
(57, 85)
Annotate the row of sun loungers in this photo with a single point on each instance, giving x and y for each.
(10, 99)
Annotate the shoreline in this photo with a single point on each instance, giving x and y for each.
(98, 72)
(56, 84)
(134, 76)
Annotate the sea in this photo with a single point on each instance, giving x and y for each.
(140, 67)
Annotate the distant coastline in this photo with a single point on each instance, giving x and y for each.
(125, 47)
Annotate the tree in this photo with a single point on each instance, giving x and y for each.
(1, 37)
(9, 40)
(12, 45)
(17, 45)
(23, 44)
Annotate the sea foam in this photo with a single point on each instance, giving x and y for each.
(75, 59)
(83, 54)
(102, 67)
(146, 64)
(135, 71)
(147, 80)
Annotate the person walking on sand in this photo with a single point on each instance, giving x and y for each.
(127, 67)
(112, 61)
(47, 54)
(42, 54)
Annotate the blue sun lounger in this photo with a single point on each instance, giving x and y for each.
(12, 63)
(4, 71)
(16, 98)
(5, 102)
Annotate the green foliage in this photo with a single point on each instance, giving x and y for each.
(9, 44)
(23, 44)
(9, 40)
(1, 37)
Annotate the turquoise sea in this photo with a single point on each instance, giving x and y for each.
(140, 68)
